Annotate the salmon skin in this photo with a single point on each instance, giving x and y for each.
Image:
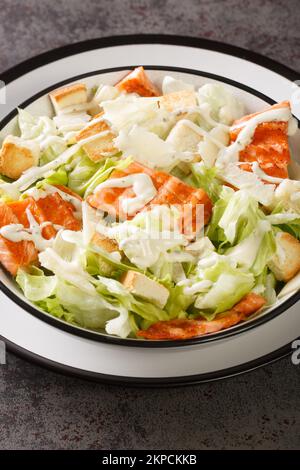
(138, 82)
(52, 208)
(194, 205)
(185, 329)
(269, 146)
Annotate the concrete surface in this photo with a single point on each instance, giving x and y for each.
(44, 410)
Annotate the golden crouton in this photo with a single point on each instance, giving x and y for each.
(142, 286)
(17, 155)
(107, 244)
(178, 101)
(102, 146)
(184, 137)
(285, 264)
(68, 96)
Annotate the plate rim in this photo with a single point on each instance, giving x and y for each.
(57, 53)
(177, 40)
(151, 382)
(132, 342)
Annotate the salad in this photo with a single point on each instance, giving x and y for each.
(151, 213)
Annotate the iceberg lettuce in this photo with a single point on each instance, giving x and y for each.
(224, 106)
(43, 131)
(230, 285)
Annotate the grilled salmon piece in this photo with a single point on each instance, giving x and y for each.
(170, 191)
(185, 329)
(58, 211)
(107, 199)
(138, 82)
(52, 208)
(19, 210)
(14, 255)
(269, 146)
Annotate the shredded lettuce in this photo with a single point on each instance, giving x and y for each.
(206, 178)
(43, 131)
(104, 172)
(224, 106)
(285, 220)
(229, 286)
(82, 172)
(235, 216)
(35, 285)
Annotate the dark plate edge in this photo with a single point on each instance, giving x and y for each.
(136, 382)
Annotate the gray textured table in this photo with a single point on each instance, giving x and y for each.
(40, 409)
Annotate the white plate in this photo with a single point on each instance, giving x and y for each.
(38, 336)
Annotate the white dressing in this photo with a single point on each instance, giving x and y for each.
(197, 287)
(231, 153)
(70, 271)
(17, 232)
(142, 186)
(249, 182)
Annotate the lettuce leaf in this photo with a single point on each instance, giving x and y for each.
(229, 286)
(35, 285)
(82, 172)
(224, 106)
(235, 216)
(104, 172)
(205, 178)
(287, 221)
(43, 131)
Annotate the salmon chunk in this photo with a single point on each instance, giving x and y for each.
(138, 82)
(14, 255)
(269, 146)
(52, 208)
(185, 329)
(193, 204)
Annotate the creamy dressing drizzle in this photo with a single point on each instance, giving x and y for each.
(142, 186)
(18, 233)
(196, 287)
(230, 154)
(47, 189)
(31, 175)
(203, 133)
(261, 174)
(204, 111)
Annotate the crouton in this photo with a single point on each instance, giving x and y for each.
(68, 96)
(178, 101)
(285, 264)
(17, 155)
(102, 146)
(184, 137)
(142, 286)
(107, 244)
(138, 82)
